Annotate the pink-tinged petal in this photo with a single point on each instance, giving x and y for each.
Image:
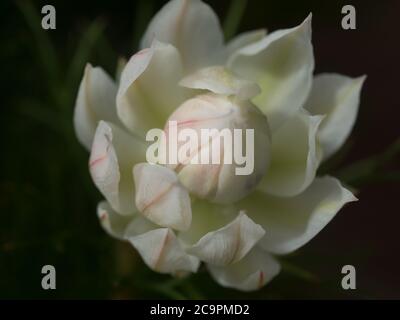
(114, 153)
(229, 244)
(161, 198)
(149, 91)
(121, 226)
(112, 222)
(251, 273)
(162, 252)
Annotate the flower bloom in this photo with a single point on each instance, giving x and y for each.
(177, 216)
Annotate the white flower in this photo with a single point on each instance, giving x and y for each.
(179, 216)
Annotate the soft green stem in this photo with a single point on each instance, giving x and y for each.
(45, 116)
(192, 291)
(176, 288)
(87, 41)
(368, 169)
(171, 293)
(298, 272)
(168, 288)
(233, 17)
(46, 52)
(143, 13)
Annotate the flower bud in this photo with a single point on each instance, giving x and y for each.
(218, 145)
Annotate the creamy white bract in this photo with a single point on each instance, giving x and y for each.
(179, 216)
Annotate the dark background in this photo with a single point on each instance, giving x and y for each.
(47, 201)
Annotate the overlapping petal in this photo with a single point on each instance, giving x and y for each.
(163, 252)
(122, 226)
(95, 102)
(292, 222)
(161, 198)
(114, 153)
(243, 40)
(337, 97)
(113, 223)
(149, 91)
(229, 244)
(255, 270)
(295, 156)
(220, 80)
(193, 28)
(282, 64)
(206, 217)
(214, 181)
(183, 54)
